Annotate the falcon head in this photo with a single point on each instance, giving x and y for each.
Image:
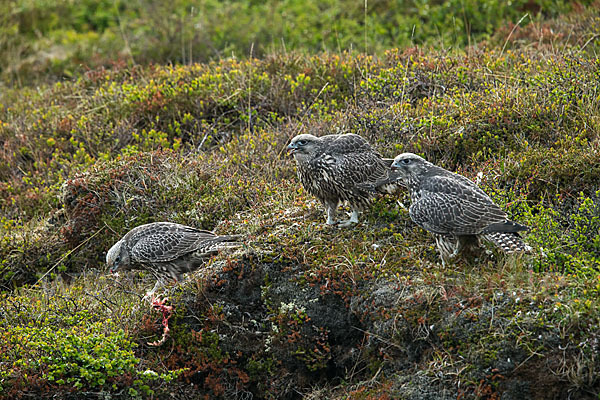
(409, 164)
(117, 257)
(303, 146)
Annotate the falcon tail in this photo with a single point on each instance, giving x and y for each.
(389, 185)
(508, 242)
(224, 242)
(506, 226)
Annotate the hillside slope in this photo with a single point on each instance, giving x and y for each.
(304, 310)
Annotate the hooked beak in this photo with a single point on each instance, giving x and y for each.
(291, 149)
(114, 269)
(394, 166)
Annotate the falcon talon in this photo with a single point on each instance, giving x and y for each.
(344, 224)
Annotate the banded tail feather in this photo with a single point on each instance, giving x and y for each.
(508, 242)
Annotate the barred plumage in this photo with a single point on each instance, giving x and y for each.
(335, 168)
(454, 209)
(167, 249)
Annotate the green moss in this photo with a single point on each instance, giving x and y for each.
(53, 343)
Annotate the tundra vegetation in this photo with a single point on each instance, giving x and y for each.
(114, 114)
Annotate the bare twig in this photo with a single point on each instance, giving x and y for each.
(380, 338)
(594, 37)
(68, 254)
(511, 32)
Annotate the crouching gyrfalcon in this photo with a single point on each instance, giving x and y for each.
(167, 249)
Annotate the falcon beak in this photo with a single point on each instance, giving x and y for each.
(291, 149)
(394, 166)
(114, 269)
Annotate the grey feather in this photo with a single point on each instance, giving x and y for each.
(338, 168)
(454, 209)
(166, 249)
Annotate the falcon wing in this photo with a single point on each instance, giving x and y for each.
(347, 143)
(448, 205)
(391, 183)
(363, 167)
(351, 159)
(166, 242)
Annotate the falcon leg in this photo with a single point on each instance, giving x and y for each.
(331, 213)
(159, 284)
(353, 219)
(457, 250)
(448, 247)
(444, 263)
(446, 258)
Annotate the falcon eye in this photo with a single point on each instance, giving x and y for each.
(405, 161)
(302, 142)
